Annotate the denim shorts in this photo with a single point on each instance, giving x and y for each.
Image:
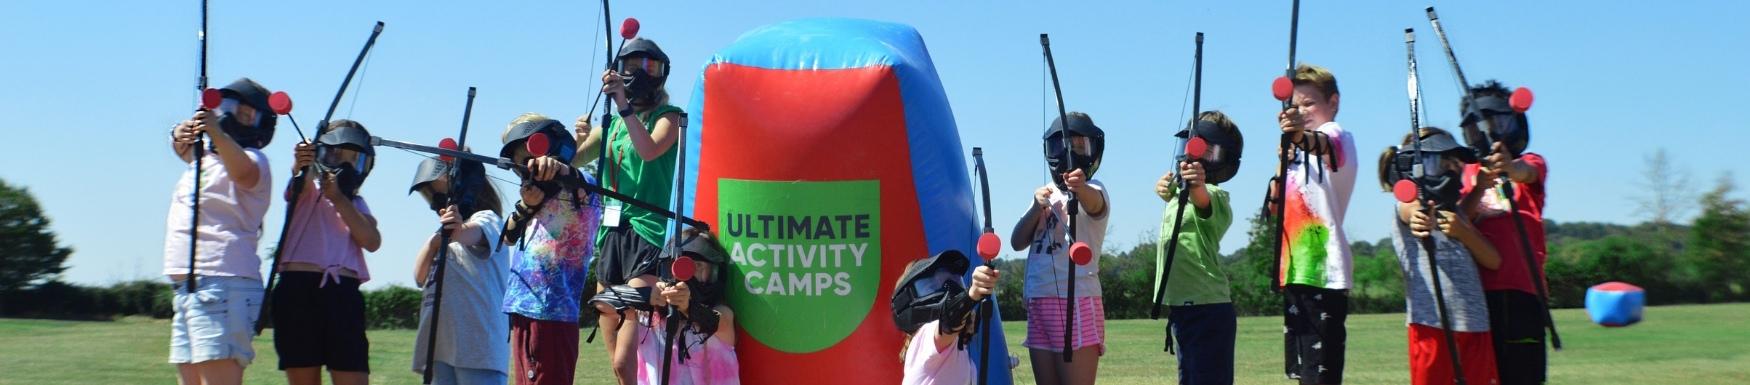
(216, 322)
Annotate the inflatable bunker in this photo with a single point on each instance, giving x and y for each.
(1615, 304)
(827, 160)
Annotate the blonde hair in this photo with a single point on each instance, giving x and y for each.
(520, 119)
(1316, 76)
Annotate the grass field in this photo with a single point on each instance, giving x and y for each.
(1675, 345)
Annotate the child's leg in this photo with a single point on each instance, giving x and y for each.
(187, 375)
(309, 375)
(1085, 367)
(349, 378)
(626, 353)
(216, 372)
(1045, 367)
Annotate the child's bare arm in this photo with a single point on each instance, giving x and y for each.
(589, 141)
(362, 228)
(1022, 235)
(237, 164)
(725, 325)
(1480, 249)
(422, 262)
(182, 140)
(1093, 202)
(1195, 179)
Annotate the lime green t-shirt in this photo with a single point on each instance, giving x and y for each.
(1197, 277)
(648, 181)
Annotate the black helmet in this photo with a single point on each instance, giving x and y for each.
(1055, 153)
(255, 96)
(561, 144)
(1221, 159)
(347, 134)
(926, 287)
(1480, 115)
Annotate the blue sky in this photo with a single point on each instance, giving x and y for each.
(89, 89)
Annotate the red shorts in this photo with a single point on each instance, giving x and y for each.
(545, 352)
(1430, 364)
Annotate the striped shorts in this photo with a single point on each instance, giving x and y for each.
(1045, 321)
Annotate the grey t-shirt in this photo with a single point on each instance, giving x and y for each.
(1458, 280)
(473, 292)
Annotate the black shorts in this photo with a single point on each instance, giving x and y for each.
(623, 255)
(1206, 342)
(1516, 322)
(1315, 338)
(319, 326)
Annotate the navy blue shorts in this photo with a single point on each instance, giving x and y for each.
(1206, 342)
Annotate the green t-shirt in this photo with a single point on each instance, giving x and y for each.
(1197, 277)
(648, 181)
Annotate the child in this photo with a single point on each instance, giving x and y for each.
(212, 330)
(1315, 258)
(705, 353)
(1042, 231)
(1201, 314)
(1516, 314)
(937, 317)
(1460, 249)
(641, 164)
(472, 333)
(549, 240)
(319, 317)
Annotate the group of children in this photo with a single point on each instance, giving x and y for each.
(519, 276)
(513, 282)
(1490, 299)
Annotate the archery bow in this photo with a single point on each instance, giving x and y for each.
(1506, 188)
(297, 186)
(458, 197)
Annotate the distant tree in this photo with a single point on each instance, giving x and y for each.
(1719, 244)
(29, 254)
(1248, 271)
(1664, 190)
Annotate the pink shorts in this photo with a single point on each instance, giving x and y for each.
(1045, 321)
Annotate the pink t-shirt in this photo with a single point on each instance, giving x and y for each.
(710, 361)
(926, 365)
(230, 220)
(318, 236)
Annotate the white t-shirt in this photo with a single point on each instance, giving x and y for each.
(1317, 250)
(474, 282)
(230, 220)
(925, 365)
(1048, 257)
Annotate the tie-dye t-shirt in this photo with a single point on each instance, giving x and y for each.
(1315, 252)
(547, 268)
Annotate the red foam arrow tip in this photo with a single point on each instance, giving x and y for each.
(629, 28)
(1521, 100)
(537, 144)
(281, 103)
(1081, 254)
(211, 98)
(1196, 147)
(989, 245)
(1404, 190)
(1282, 88)
(683, 268)
(447, 144)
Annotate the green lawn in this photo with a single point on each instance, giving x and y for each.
(1676, 345)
